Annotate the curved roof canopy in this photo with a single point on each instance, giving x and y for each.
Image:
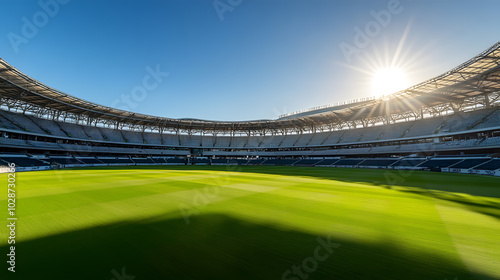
(476, 77)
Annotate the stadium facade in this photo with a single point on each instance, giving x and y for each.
(448, 123)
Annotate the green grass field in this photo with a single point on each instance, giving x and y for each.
(230, 222)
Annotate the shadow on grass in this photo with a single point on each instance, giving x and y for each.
(218, 247)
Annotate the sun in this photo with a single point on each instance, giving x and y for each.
(388, 80)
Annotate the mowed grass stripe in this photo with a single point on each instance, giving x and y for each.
(64, 213)
(48, 186)
(69, 200)
(475, 235)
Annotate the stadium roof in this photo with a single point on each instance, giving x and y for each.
(479, 76)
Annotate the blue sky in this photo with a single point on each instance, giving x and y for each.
(237, 59)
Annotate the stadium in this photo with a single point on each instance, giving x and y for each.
(400, 186)
(449, 123)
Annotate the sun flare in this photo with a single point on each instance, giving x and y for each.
(388, 80)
